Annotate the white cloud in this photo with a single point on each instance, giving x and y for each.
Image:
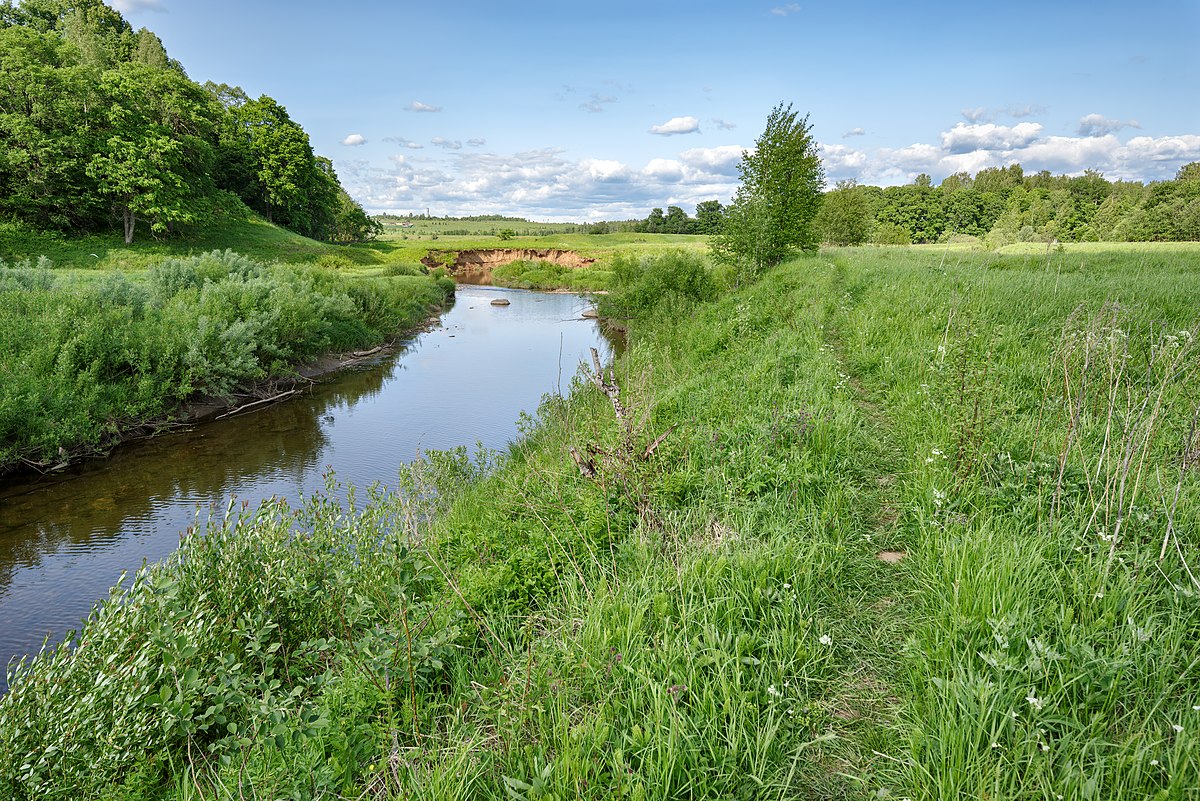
(134, 6)
(542, 184)
(1181, 149)
(854, 132)
(722, 160)
(722, 124)
(606, 170)
(476, 142)
(400, 140)
(790, 8)
(417, 105)
(448, 144)
(842, 159)
(963, 138)
(975, 114)
(353, 140)
(677, 125)
(1099, 125)
(664, 170)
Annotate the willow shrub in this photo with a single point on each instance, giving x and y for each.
(83, 356)
(645, 286)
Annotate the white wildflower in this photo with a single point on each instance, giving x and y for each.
(771, 690)
(1178, 729)
(825, 639)
(1034, 701)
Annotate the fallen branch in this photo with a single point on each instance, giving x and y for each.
(256, 404)
(653, 446)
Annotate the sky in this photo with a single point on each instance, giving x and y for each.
(569, 111)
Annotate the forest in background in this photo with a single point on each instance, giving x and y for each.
(100, 127)
(997, 206)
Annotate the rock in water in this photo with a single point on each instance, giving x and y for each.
(501, 302)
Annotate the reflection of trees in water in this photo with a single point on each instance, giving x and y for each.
(164, 477)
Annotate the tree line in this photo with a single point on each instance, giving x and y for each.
(997, 206)
(1002, 205)
(100, 127)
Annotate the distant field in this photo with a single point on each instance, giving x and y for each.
(406, 245)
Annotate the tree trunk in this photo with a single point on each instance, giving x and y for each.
(130, 221)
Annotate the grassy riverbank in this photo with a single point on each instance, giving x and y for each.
(697, 607)
(88, 355)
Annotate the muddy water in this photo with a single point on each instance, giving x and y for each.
(64, 541)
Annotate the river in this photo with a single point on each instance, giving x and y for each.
(65, 540)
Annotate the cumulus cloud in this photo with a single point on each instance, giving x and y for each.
(963, 138)
(677, 125)
(665, 170)
(133, 6)
(597, 102)
(716, 161)
(353, 140)
(417, 105)
(448, 144)
(975, 114)
(785, 10)
(1099, 125)
(854, 132)
(543, 184)
(722, 124)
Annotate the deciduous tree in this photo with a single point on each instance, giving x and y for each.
(777, 201)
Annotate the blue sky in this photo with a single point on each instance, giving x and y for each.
(588, 111)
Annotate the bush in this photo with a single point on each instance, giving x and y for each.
(652, 285)
(226, 650)
(82, 358)
(891, 234)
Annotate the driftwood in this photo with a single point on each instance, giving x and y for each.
(258, 403)
(608, 387)
(362, 354)
(622, 458)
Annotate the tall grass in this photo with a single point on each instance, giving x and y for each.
(1047, 406)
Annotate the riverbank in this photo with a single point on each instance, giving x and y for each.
(838, 538)
(94, 358)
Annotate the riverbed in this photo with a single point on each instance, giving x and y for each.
(65, 540)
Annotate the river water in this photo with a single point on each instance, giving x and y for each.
(64, 541)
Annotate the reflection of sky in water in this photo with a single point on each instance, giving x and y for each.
(64, 541)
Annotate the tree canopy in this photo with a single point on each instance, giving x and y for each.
(772, 215)
(99, 125)
(1002, 205)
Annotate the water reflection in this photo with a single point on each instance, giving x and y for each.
(65, 540)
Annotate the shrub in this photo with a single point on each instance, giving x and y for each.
(651, 285)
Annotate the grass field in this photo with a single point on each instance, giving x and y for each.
(887, 523)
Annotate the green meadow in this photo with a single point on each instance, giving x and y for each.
(884, 523)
